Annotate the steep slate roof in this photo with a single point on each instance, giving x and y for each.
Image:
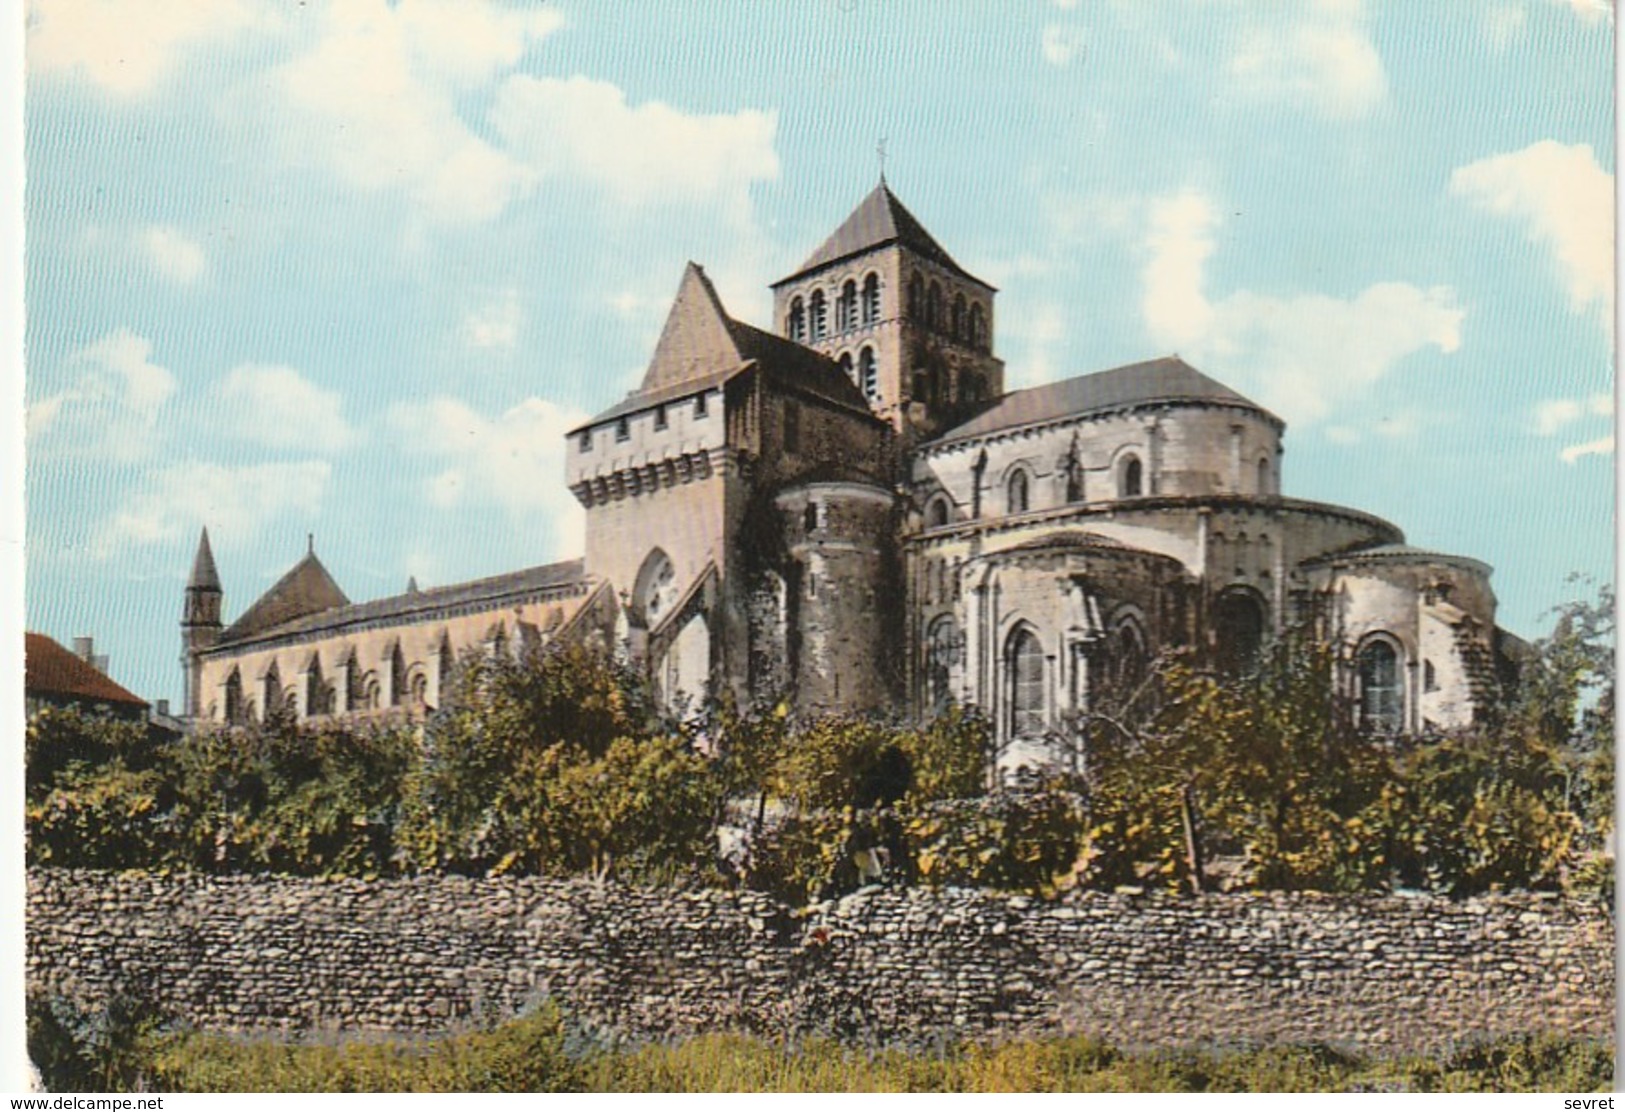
(701, 347)
(879, 220)
(1169, 379)
(204, 576)
(50, 669)
(414, 604)
(306, 589)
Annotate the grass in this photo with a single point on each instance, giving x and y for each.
(536, 1054)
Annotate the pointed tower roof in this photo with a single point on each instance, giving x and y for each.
(204, 576)
(696, 341)
(702, 347)
(879, 220)
(306, 589)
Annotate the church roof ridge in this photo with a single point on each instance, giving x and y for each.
(879, 219)
(414, 603)
(1165, 379)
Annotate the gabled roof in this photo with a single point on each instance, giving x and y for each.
(306, 589)
(879, 220)
(1169, 379)
(413, 605)
(51, 670)
(204, 576)
(701, 347)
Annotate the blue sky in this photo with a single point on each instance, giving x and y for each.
(352, 269)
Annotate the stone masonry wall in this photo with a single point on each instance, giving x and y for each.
(261, 955)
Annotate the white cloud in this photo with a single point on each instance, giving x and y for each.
(642, 154)
(236, 503)
(378, 100)
(278, 407)
(1602, 446)
(110, 409)
(1504, 25)
(1321, 55)
(1300, 355)
(514, 460)
(128, 46)
(1555, 414)
(1565, 202)
(173, 255)
(1592, 11)
(496, 324)
(1062, 43)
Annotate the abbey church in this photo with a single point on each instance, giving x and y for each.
(850, 512)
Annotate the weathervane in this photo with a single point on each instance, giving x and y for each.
(880, 149)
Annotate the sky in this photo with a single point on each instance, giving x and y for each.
(353, 269)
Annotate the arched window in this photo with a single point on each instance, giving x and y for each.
(656, 588)
(270, 694)
(846, 309)
(941, 648)
(956, 318)
(867, 377)
(1238, 631)
(397, 676)
(1016, 493)
(871, 298)
(933, 306)
(447, 662)
(234, 698)
(797, 324)
(1130, 478)
(819, 314)
(316, 690)
(1264, 476)
(1130, 657)
(978, 328)
(1382, 695)
(916, 297)
(972, 389)
(846, 366)
(1024, 665)
(936, 514)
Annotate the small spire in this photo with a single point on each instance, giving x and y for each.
(880, 150)
(411, 584)
(204, 576)
(310, 544)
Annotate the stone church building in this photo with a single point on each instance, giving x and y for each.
(851, 512)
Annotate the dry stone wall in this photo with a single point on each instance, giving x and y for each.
(425, 955)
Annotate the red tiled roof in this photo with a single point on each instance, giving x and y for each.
(50, 669)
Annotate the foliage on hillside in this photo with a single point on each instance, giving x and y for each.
(556, 763)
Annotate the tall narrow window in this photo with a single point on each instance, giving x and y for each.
(699, 406)
(397, 676)
(846, 367)
(867, 375)
(586, 440)
(1131, 478)
(916, 298)
(1017, 493)
(933, 306)
(1263, 476)
(978, 328)
(871, 299)
(936, 514)
(941, 647)
(846, 309)
(1024, 663)
(809, 517)
(1238, 631)
(623, 429)
(234, 698)
(956, 318)
(797, 324)
(1382, 698)
(660, 416)
(819, 314)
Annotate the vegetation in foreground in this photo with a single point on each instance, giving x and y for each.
(556, 764)
(539, 1053)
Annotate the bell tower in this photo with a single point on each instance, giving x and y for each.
(200, 621)
(910, 326)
